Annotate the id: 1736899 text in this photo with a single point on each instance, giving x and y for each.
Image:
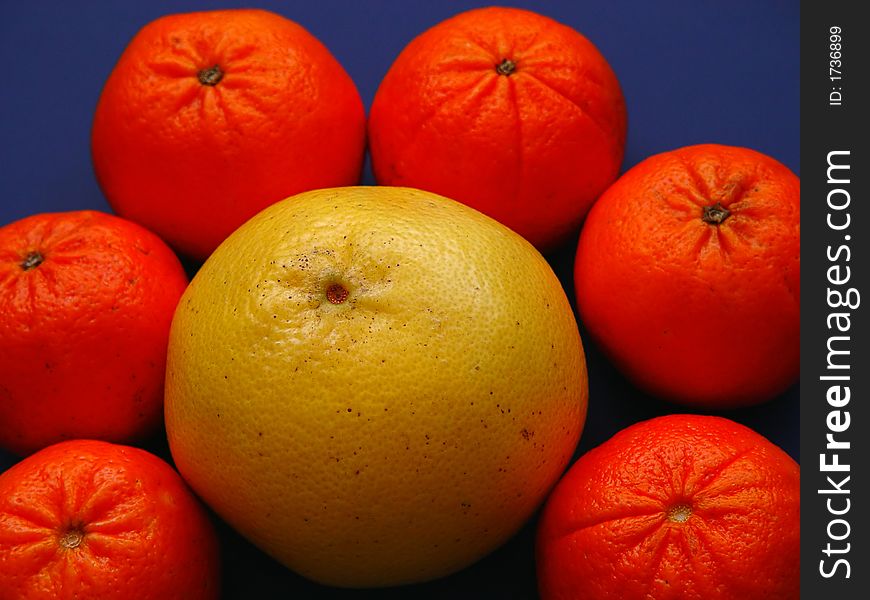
(835, 65)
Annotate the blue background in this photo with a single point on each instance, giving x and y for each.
(692, 72)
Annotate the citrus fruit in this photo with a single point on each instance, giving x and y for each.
(688, 275)
(90, 519)
(679, 507)
(507, 111)
(375, 385)
(86, 300)
(210, 116)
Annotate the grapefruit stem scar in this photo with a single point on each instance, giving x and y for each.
(506, 67)
(210, 76)
(336, 293)
(715, 214)
(32, 260)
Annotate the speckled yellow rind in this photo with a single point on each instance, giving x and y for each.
(399, 434)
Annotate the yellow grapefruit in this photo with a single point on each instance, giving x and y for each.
(375, 385)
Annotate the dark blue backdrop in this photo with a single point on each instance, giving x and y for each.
(692, 72)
